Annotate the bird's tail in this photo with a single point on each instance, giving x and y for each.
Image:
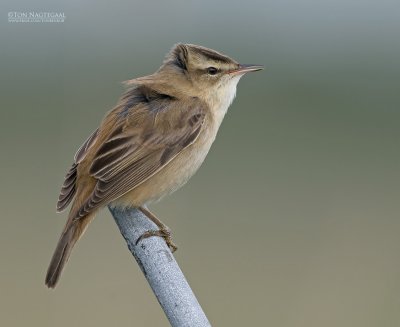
(73, 231)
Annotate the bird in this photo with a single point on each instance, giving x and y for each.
(150, 144)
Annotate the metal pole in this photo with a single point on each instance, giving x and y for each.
(160, 269)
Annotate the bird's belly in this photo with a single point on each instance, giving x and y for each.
(171, 177)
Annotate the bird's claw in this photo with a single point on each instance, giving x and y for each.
(165, 233)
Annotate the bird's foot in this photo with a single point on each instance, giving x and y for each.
(165, 233)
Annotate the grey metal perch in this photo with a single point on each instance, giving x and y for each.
(160, 269)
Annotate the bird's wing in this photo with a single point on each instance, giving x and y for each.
(68, 188)
(141, 142)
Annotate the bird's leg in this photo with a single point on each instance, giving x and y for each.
(164, 231)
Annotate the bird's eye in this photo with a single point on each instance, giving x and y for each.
(212, 70)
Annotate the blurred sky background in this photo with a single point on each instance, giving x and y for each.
(293, 220)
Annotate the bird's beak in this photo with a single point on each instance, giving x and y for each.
(246, 68)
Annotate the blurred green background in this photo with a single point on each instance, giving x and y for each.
(293, 220)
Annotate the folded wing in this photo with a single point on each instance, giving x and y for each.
(141, 144)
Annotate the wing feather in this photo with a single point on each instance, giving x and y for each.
(68, 188)
(81, 153)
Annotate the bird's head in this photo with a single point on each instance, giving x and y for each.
(204, 71)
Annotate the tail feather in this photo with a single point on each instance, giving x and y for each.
(73, 231)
